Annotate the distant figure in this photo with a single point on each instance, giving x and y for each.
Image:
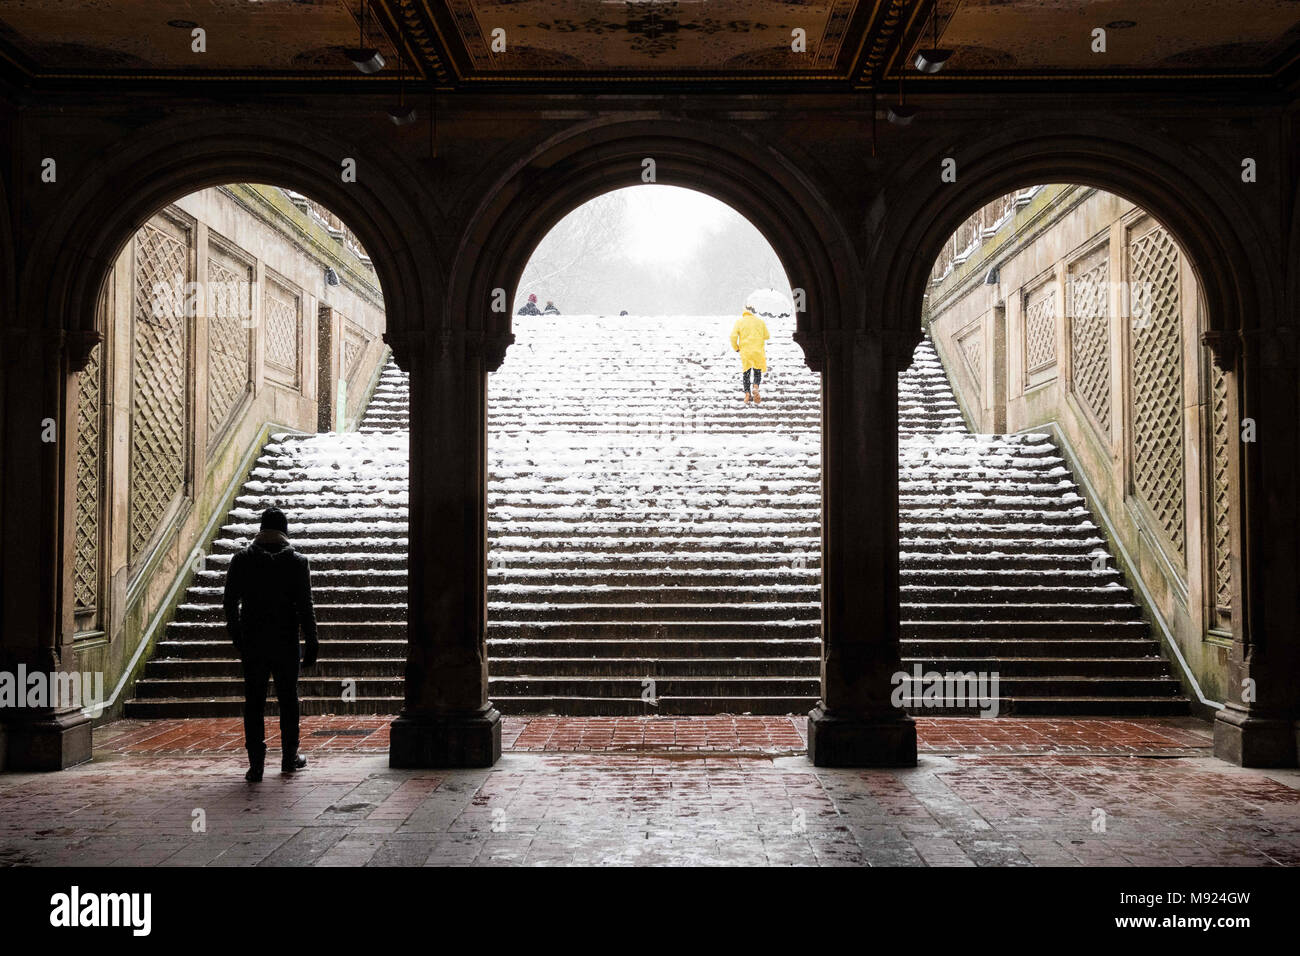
(624, 312)
(268, 601)
(749, 337)
(530, 307)
(550, 308)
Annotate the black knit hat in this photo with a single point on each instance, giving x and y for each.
(273, 519)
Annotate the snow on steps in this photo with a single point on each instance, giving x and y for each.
(645, 524)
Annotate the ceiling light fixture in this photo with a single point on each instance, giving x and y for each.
(402, 115)
(900, 114)
(932, 59)
(367, 59)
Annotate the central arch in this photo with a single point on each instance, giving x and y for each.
(566, 171)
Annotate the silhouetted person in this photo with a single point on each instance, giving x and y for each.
(530, 307)
(268, 601)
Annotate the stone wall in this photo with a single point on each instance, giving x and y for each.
(234, 312)
(1072, 310)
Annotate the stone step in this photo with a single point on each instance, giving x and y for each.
(740, 615)
(629, 539)
(664, 686)
(1019, 595)
(661, 649)
(211, 645)
(1046, 666)
(1051, 706)
(326, 613)
(982, 646)
(213, 629)
(1022, 613)
(233, 706)
(749, 594)
(1023, 629)
(683, 630)
(1010, 547)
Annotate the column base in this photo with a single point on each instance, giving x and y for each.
(470, 739)
(860, 742)
(45, 743)
(1255, 741)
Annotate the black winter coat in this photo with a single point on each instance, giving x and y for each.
(268, 599)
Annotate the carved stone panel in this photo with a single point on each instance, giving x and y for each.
(1156, 377)
(1088, 292)
(355, 342)
(229, 337)
(1223, 438)
(159, 384)
(1040, 334)
(86, 558)
(282, 321)
(970, 343)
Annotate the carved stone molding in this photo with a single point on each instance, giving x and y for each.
(1224, 348)
(814, 350)
(893, 346)
(78, 343)
(406, 345)
(470, 345)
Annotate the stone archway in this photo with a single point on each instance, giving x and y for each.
(561, 174)
(449, 719)
(1215, 228)
(81, 231)
(1249, 341)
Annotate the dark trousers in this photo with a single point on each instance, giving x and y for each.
(758, 377)
(283, 668)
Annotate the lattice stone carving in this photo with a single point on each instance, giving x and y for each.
(355, 342)
(1156, 357)
(1040, 329)
(229, 309)
(158, 382)
(1223, 437)
(85, 565)
(1090, 334)
(971, 346)
(282, 319)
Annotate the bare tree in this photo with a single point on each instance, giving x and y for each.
(581, 243)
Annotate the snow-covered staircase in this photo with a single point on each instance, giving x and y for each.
(654, 544)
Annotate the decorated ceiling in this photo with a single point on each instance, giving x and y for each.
(553, 42)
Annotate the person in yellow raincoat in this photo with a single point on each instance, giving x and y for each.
(749, 337)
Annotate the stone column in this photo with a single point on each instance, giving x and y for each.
(39, 402)
(1260, 721)
(447, 720)
(855, 724)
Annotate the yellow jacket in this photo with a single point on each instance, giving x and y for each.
(748, 336)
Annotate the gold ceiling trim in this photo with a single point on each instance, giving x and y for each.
(421, 26)
(883, 40)
(964, 77)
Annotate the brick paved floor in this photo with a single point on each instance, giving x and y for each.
(723, 735)
(647, 791)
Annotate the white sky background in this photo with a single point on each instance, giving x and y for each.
(668, 224)
(652, 250)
